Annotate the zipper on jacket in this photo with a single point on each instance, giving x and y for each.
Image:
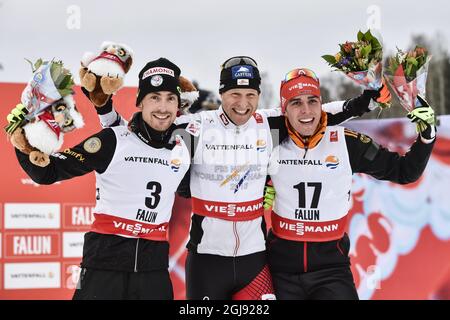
(305, 256)
(338, 244)
(236, 236)
(136, 256)
(306, 147)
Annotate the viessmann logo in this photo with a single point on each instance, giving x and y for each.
(136, 229)
(300, 86)
(232, 209)
(300, 229)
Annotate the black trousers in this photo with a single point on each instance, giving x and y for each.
(325, 284)
(95, 284)
(214, 277)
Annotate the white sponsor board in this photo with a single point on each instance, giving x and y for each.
(32, 215)
(73, 244)
(32, 275)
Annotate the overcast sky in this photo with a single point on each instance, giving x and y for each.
(199, 34)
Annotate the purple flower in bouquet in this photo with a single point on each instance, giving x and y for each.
(361, 62)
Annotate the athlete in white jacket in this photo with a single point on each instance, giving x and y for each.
(230, 154)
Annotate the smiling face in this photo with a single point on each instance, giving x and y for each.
(240, 104)
(159, 109)
(303, 113)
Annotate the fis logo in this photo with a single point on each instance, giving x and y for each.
(260, 145)
(175, 165)
(242, 72)
(331, 162)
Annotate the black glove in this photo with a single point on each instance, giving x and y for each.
(106, 108)
(85, 92)
(356, 107)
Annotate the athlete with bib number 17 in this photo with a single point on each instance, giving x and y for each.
(311, 173)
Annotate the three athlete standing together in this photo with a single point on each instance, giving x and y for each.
(222, 160)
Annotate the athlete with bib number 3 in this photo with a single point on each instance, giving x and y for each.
(138, 169)
(311, 173)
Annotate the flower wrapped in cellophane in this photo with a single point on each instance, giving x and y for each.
(407, 75)
(47, 110)
(361, 61)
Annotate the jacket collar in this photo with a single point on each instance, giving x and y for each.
(150, 136)
(226, 122)
(308, 142)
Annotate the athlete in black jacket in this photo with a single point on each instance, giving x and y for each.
(312, 172)
(138, 169)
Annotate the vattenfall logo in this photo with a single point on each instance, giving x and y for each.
(175, 165)
(260, 145)
(30, 275)
(36, 215)
(331, 162)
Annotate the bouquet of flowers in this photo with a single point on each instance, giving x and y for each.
(361, 61)
(47, 110)
(407, 75)
(50, 83)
